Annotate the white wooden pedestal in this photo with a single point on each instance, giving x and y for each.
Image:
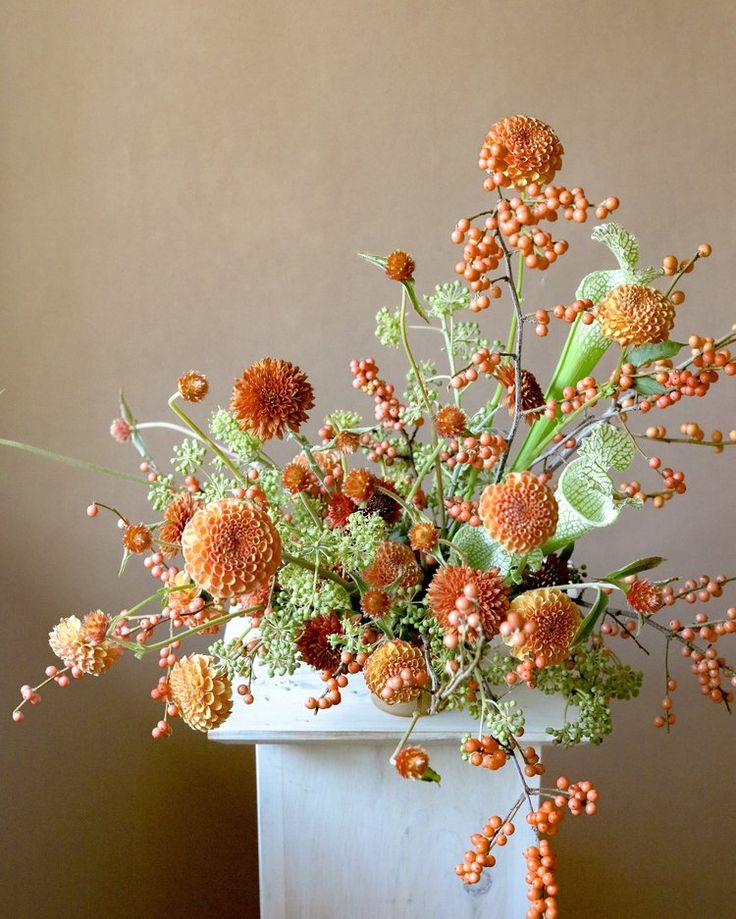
(342, 836)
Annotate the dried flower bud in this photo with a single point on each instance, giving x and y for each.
(193, 386)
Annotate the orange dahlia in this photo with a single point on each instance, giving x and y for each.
(231, 547)
(530, 149)
(532, 396)
(202, 694)
(552, 619)
(193, 386)
(451, 421)
(635, 315)
(394, 562)
(448, 585)
(520, 512)
(176, 516)
(400, 266)
(644, 597)
(270, 397)
(396, 671)
(83, 644)
(313, 642)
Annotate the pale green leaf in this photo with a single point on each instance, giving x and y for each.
(608, 446)
(646, 354)
(621, 242)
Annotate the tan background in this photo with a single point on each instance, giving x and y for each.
(186, 184)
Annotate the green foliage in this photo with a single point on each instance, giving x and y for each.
(188, 456)
(344, 420)
(356, 545)
(448, 299)
(279, 632)
(226, 430)
(230, 658)
(477, 549)
(585, 493)
(596, 678)
(217, 487)
(388, 327)
(505, 720)
(303, 595)
(159, 492)
(646, 354)
(415, 408)
(466, 340)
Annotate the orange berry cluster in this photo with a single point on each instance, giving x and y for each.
(387, 407)
(710, 671)
(481, 255)
(480, 452)
(335, 681)
(496, 832)
(485, 751)
(533, 766)
(668, 716)
(542, 893)
(568, 313)
(695, 591)
(463, 509)
(577, 798)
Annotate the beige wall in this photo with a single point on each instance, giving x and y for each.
(186, 184)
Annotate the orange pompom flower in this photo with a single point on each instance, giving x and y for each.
(202, 694)
(635, 315)
(491, 600)
(271, 397)
(193, 386)
(546, 621)
(520, 512)
(530, 150)
(83, 644)
(394, 562)
(231, 547)
(359, 484)
(451, 421)
(137, 538)
(400, 266)
(644, 597)
(423, 536)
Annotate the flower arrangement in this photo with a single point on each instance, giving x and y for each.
(432, 550)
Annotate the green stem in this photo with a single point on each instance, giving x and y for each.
(226, 617)
(323, 572)
(210, 443)
(71, 461)
(428, 408)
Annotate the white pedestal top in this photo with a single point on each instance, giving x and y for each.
(278, 714)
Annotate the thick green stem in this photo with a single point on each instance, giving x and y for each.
(317, 569)
(71, 461)
(210, 443)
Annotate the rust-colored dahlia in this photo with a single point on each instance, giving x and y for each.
(394, 562)
(412, 762)
(400, 266)
(137, 538)
(339, 509)
(520, 512)
(176, 516)
(270, 397)
(555, 620)
(532, 396)
(382, 504)
(296, 477)
(423, 536)
(554, 570)
(313, 642)
(451, 421)
(78, 645)
(635, 315)
(531, 152)
(202, 694)
(448, 585)
(644, 597)
(231, 547)
(193, 386)
(385, 665)
(375, 603)
(359, 485)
